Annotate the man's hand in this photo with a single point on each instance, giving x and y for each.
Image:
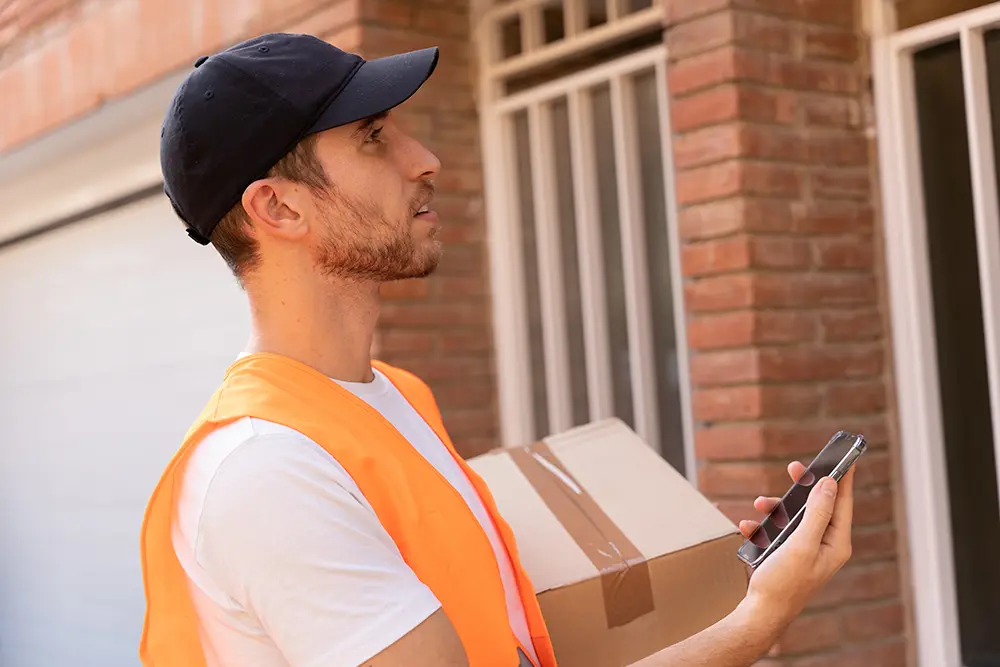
(780, 587)
(818, 548)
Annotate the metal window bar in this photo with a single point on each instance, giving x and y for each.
(588, 233)
(550, 269)
(982, 163)
(640, 328)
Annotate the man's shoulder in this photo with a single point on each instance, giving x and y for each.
(251, 459)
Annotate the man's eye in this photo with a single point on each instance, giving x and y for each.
(374, 136)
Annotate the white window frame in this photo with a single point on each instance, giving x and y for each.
(920, 420)
(503, 219)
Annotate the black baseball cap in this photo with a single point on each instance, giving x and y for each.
(240, 111)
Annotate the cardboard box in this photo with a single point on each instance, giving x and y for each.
(626, 556)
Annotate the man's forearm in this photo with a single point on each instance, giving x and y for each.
(738, 640)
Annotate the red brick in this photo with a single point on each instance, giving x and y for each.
(450, 287)
(782, 8)
(760, 31)
(767, 178)
(723, 217)
(726, 404)
(827, 13)
(845, 253)
(727, 367)
(705, 183)
(432, 315)
(830, 111)
(730, 442)
(468, 422)
(831, 44)
(874, 470)
(873, 621)
(800, 364)
(461, 395)
(737, 510)
(709, 257)
(839, 289)
(850, 184)
(700, 34)
(785, 440)
(453, 21)
(711, 144)
(705, 70)
(719, 293)
(397, 342)
(813, 76)
(838, 150)
(724, 179)
(706, 107)
(769, 252)
(851, 325)
(451, 368)
(755, 402)
(686, 10)
(724, 330)
(403, 290)
(772, 327)
(768, 142)
(462, 260)
(860, 582)
(746, 327)
(873, 506)
(809, 633)
(855, 398)
(742, 479)
(836, 218)
(330, 20)
(873, 543)
(465, 340)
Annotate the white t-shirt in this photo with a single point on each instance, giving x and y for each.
(287, 562)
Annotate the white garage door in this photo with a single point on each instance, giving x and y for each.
(113, 333)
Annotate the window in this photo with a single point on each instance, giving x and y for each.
(587, 296)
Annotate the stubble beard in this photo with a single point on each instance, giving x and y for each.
(365, 245)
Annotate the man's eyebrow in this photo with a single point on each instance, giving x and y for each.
(368, 122)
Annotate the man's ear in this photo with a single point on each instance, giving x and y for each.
(275, 207)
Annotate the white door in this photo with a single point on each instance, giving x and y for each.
(938, 88)
(113, 333)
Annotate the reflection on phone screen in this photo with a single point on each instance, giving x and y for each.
(795, 499)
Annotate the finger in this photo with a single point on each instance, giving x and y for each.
(748, 527)
(819, 512)
(765, 505)
(843, 511)
(796, 470)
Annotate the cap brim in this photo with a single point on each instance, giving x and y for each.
(378, 86)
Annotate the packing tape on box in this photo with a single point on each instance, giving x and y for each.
(628, 593)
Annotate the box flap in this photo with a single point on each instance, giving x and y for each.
(652, 503)
(539, 533)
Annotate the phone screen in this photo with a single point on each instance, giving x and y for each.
(795, 499)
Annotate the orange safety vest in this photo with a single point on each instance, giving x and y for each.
(437, 534)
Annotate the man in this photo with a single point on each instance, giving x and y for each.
(316, 514)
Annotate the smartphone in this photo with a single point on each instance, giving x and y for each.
(833, 461)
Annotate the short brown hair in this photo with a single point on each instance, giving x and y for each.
(230, 236)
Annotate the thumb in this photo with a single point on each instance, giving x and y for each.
(819, 512)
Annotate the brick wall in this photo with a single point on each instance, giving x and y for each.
(783, 273)
(61, 59)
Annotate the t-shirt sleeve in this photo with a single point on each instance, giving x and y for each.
(283, 536)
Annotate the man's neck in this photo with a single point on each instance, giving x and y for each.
(328, 327)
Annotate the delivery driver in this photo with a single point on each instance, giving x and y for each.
(316, 514)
